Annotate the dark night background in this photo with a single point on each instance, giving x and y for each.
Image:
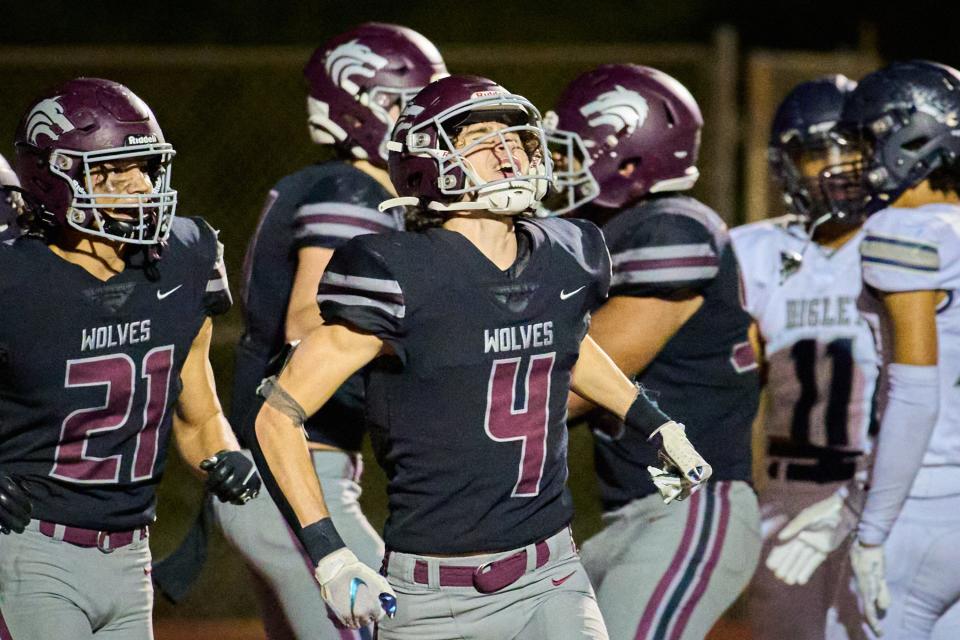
(923, 28)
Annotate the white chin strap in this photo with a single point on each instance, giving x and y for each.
(511, 199)
(682, 183)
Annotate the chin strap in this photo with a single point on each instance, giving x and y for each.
(513, 200)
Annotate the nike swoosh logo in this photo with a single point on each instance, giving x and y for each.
(564, 295)
(161, 296)
(560, 581)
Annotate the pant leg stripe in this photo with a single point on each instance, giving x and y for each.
(4, 631)
(705, 575)
(646, 621)
(693, 563)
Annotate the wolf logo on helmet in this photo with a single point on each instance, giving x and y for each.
(46, 116)
(352, 59)
(621, 109)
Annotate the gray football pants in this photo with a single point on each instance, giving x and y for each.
(52, 590)
(923, 571)
(670, 570)
(554, 602)
(289, 595)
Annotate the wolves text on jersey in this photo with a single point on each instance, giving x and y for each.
(539, 334)
(113, 335)
(821, 312)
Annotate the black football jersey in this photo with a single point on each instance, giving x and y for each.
(468, 418)
(323, 205)
(706, 374)
(90, 372)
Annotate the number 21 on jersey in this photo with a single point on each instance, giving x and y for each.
(118, 374)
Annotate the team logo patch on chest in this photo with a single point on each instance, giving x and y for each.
(111, 297)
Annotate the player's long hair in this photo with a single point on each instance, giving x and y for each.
(421, 219)
(946, 178)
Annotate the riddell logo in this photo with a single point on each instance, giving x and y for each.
(132, 140)
(488, 94)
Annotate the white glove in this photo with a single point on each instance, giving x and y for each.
(869, 572)
(809, 538)
(356, 594)
(684, 470)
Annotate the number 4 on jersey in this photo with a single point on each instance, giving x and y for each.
(506, 422)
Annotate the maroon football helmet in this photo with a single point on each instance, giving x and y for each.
(627, 114)
(428, 169)
(70, 131)
(357, 77)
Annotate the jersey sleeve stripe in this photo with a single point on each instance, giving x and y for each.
(396, 310)
(325, 219)
(899, 265)
(903, 254)
(338, 232)
(668, 252)
(352, 211)
(670, 274)
(362, 283)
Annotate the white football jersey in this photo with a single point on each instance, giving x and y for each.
(821, 357)
(913, 250)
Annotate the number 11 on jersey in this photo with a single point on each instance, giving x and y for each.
(506, 422)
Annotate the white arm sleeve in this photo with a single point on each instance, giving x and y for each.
(905, 431)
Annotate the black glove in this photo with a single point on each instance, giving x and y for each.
(231, 477)
(15, 506)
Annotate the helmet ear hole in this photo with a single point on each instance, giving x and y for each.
(629, 166)
(669, 115)
(916, 144)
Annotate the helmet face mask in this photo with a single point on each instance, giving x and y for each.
(803, 146)
(70, 137)
(431, 162)
(573, 182)
(134, 218)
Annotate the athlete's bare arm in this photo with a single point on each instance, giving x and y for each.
(632, 331)
(324, 360)
(303, 316)
(199, 426)
(913, 318)
(597, 377)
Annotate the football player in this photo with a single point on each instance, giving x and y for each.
(471, 329)
(675, 324)
(901, 125)
(801, 276)
(104, 341)
(358, 83)
(11, 202)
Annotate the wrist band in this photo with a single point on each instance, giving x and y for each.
(643, 415)
(320, 539)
